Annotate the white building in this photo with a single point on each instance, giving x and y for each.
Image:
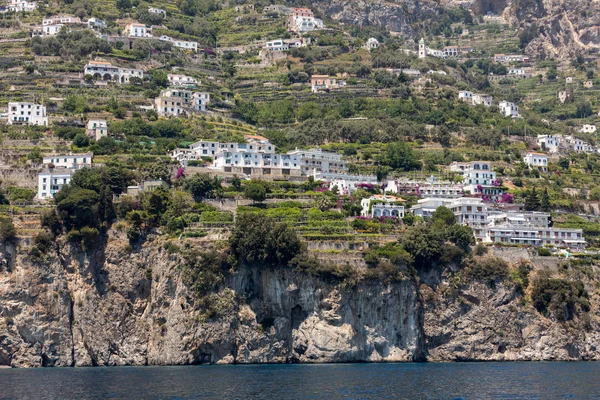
(182, 44)
(478, 179)
(159, 11)
(509, 109)
(71, 161)
(346, 184)
(201, 100)
(549, 143)
(51, 30)
(21, 6)
(466, 96)
(256, 157)
(572, 143)
(96, 23)
(382, 206)
(484, 99)
(323, 83)
(23, 113)
(50, 182)
(315, 161)
(537, 160)
(532, 229)
(182, 80)
(428, 188)
(61, 19)
(102, 70)
(370, 44)
(517, 71)
(277, 45)
(586, 128)
(303, 20)
(137, 30)
(422, 49)
(97, 128)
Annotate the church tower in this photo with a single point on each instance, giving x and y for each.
(422, 51)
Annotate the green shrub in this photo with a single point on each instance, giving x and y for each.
(544, 252)
(487, 269)
(559, 298)
(7, 230)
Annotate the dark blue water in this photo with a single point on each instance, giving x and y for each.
(577, 380)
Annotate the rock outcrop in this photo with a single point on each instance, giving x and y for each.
(118, 306)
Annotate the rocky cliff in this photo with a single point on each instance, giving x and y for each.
(565, 27)
(116, 306)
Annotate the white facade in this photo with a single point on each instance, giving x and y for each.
(517, 71)
(370, 44)
(538, 160)
(96, 23)
(483, 99)
(27, 114)
(97, 128)
(588, 128)
(572, 143)
(137, 30)
(382, 206)
(61, 19)
(21, 6)
(182, 44)
(201, 100)
(102, 70)
(72, 161)
(50, 183)
(474, 172)
(318, 161)
(422, 49)
(181, 80)
(277, 45)
(465, 96)
(51, 30)
(158, 11)
(509, 109)
(303, 20)
(346, 183)
(550, 143)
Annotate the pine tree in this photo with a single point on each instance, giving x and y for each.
(545, 201)
(532, 202)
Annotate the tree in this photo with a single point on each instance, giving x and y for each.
(158, 79)
(462, 236)
(123, 4)
(400, 156)
(7, 229)
(201, 186)
(236, 182)
(79, 209)
(256, 192)
(595, 194)
(584, 109)
(325, 202)
(444, 216)
(257, 239)
(81, 140)
(545, 201)
(564, 163)
(532, 202)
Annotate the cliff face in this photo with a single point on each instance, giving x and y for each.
(566, 27)
(115, 306)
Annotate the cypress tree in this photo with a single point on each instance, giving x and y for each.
(532, 202)
(545, 201)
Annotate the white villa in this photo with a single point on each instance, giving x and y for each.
(23, 113)
(21, 6)
(478, 178)
(97, 128)
(175, 102)
(303, 20)
(182, 80)
(72, 161)
(182, 44)
(509, 109)
(370, 44)
(382, 206)
(277, 45)
(159, 11)
(137, 30)
(315, 161)
(50, 182)
(586, 128)
(103, 70)
(537, 160)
